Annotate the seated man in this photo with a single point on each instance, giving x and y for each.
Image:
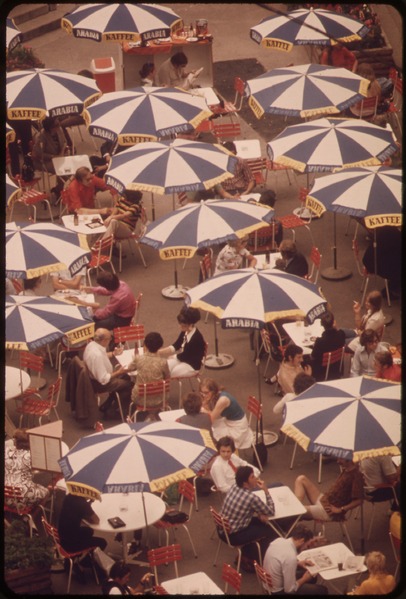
(292, 261)
(104, 379)
(73, 536)
(379, 472)
(330, 340)
(301, 382)
(345, 494)
(247, 513)
(243, 181)
(291, 367)
(226, 463)
(281, 563)
(81, 191)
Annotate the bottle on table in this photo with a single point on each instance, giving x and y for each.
(75, 219)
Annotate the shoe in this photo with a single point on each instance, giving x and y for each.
(134, 547)
(271, 380)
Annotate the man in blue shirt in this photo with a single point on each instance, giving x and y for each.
(246, 512)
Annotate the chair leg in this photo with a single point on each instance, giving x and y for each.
(257, 457)
(140, 253)
(387, 292)
(371, 521)
(190, 539)
(217, 552)
(345, 533)
(69, 575)
(320, 467)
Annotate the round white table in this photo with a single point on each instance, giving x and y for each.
(129, 507)
(17, 381)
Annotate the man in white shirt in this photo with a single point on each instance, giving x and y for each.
(104, 378)
(226, 463)
(281, 563)
(380, 474)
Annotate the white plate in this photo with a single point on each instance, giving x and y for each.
(162, 40)
(192, 39)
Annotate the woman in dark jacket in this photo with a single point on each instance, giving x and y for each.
(187, 352)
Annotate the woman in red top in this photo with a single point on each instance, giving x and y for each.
(82, 190)
(385, 368)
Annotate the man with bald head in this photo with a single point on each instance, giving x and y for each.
(102, 374)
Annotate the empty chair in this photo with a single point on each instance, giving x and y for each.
(223, 131)
(34, 405)
(31, 198)
(101, 254)
(130, 336)
(186, 492)
(223, 529)
(63, 348)
(164, 555)
(275, 167)
(231, 577)
(366, 109)
(393, 498)
(263, 240)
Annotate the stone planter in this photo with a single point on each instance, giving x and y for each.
(30, 581)
(381, 59)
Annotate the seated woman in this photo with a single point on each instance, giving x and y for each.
(363, 360)
(290, 367)
(192, 404)
(18, 472)
(189, 347)
(150, 367)
(232, 256)
(385, 368)
(374, 90)
(227, 416)
(226, 463)
(374, 319)
(379, 581)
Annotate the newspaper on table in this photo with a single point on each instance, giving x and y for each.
(321, 561)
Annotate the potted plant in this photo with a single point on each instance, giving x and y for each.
(27, 561)
(21, 58)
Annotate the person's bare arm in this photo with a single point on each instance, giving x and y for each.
(222, 403)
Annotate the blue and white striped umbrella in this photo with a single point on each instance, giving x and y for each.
(305, 90)
(246, 298)
(11, 190)
(181, 233)
(307, 26)
(352, 418)
(145, 114)
(330, 143)
(125, 22)
(135, 457)
(13, 34)
(36, 249)
(37, 93)
(32, 322)
(372, 193)
(170, 166)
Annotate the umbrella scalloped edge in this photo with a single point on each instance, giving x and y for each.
(296, 435)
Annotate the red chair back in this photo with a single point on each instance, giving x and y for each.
(226, 130)
(254, 407)
(263, 577)
(206, 265)
(230, 576)
(133, 332)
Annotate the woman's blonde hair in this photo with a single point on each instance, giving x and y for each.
(213, 387)
(375, 562)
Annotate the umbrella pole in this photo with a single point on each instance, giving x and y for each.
(335, 273)
(303, 212)
(153, 206)
(175, 291)
(146, 519)
(217, 360)
(375, 258)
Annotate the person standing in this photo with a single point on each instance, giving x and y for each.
(289, 575)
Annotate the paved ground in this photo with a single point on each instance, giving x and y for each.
(229, 24)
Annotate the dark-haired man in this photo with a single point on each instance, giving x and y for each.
(281, 563)
(330, 340)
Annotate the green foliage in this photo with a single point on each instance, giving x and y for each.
(21, 551)
(22, 57)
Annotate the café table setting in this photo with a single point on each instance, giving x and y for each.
(287, 505)
(198, 583)
(304, 335)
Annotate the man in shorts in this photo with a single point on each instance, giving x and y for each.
(345, 494)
